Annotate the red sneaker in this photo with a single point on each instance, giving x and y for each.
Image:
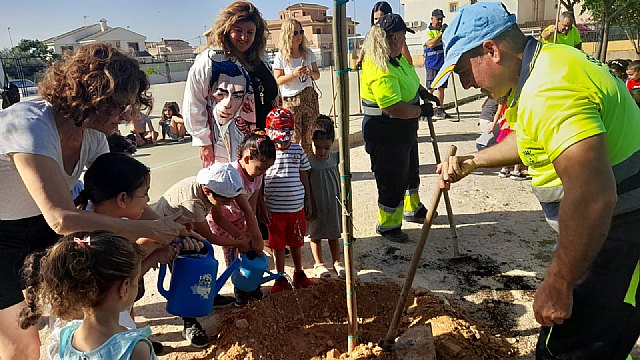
(281, 284)
(300, 280)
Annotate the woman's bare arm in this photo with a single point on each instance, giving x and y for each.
(45, 182)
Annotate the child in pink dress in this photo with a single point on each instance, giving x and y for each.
(257, 154)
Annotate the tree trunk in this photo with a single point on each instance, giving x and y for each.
(633, 41)
(599, 47)
(568, 4)
(605, 42)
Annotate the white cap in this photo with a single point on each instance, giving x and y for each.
(222, 179)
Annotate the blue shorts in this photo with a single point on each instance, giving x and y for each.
(431, 75)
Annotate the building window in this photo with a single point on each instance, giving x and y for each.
(118, 44)
(133, 46)
(453, 7)
(473, 1)
(304, 13)
(318, 31)
(68, 48)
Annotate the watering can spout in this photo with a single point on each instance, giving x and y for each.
(272, 276)
(225, 275)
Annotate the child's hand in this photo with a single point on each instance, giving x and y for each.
(264, 215)
(308, 209)
(258, 246)
(190, 244)
(166, 253)
(244, 242)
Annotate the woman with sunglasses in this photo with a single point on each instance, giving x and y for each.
(46, 144)
(295, 68)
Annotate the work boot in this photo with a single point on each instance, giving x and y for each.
(418, 217)
(395, 235)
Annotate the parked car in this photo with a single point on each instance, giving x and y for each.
(27, 87)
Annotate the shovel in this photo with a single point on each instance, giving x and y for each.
(388, 341)
(447, 201)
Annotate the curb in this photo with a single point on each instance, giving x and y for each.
(356, 139)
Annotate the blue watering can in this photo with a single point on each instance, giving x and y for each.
(193, 283)
(250, 273)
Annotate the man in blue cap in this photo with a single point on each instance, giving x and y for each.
(576, 127)
(433, 59)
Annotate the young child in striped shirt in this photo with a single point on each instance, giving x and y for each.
(287, 198)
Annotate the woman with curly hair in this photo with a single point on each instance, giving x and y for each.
(229, 92)
(295, 68)
(46, 144)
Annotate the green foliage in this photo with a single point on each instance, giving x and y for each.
(34, 48)
(28, 59)
(609, 10)
(629, 21)
(150, 70)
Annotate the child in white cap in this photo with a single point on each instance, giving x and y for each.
(196, 196)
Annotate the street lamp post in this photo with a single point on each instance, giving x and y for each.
(10, 39)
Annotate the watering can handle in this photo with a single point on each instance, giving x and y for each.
(226, 274)
(161, 274)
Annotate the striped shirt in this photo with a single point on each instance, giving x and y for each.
(283, 189)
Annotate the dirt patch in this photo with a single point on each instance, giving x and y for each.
(312, 324)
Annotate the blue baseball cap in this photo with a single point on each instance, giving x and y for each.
(473, 25)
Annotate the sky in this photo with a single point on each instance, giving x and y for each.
(169, 19)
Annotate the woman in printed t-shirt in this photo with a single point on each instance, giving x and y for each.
(229, 92)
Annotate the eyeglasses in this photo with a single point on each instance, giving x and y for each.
(296, 32)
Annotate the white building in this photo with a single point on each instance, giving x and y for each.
(531, 15)
(119, 37)
(174, 49)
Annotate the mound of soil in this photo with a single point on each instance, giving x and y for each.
(312, 324)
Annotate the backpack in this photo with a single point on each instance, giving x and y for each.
(10, 95)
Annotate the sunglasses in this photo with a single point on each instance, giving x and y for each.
(296, 32)
(127, 109)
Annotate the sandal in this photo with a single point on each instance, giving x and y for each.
(339, 269)
(519, 176)
(321, 271)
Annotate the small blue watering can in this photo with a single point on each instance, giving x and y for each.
(250, 273)
(193, 283)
